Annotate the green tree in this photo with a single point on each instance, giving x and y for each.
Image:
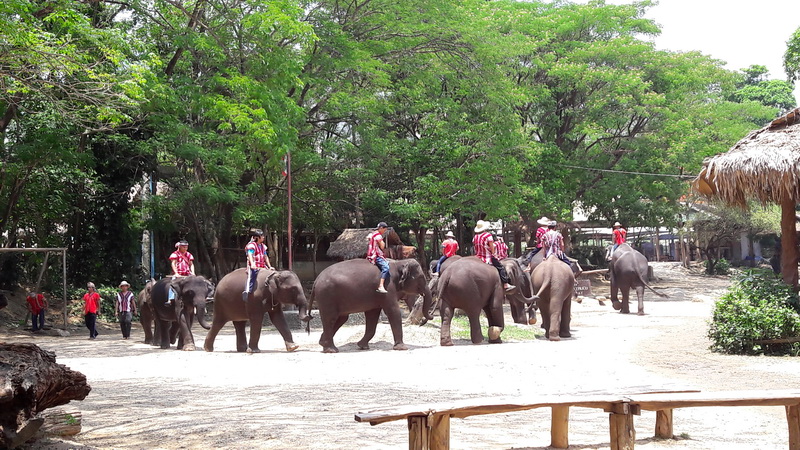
(791, 58)
(755, 87)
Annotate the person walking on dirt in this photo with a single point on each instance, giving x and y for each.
(37, 305)
(125, 306)
(91, 305)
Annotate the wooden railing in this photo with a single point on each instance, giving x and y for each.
(429, 425)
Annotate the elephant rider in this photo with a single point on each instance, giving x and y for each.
(543, 222)
(257, 259)
(375, 254)
(619, 236)
(500, 247)
(483, 247)
(182, 263)
(449, 248)
(553, 242)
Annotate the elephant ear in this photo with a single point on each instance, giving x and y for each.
(272, 283)
(405, 272)
(211, 289)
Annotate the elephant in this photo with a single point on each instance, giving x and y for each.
(348, 287)
(273, 289)
(554, 282)
(192, 292)
(529, 262)
(472, 285)
(520, 278)
(628, 269)
(146, 315)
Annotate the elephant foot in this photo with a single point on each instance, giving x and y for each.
(640, 313)
(616, 305)
(496, 341)
(446, 343)
(494, 334)
(400, 346)
(565, 335)
(250, 351)
(330, 350)
(601, 303)
(554, 338)
(188, 348)
(291, 346)
(625, 312)
(208, 348)
(164, 347)
(363, 345)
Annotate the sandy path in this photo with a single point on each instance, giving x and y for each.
(143, 397)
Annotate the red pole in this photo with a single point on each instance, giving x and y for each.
(289, 203)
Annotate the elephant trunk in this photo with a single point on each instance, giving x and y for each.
(304, 312)
(200, 312)
(427, 298)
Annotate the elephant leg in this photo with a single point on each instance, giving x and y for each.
(626, 292)
(329, 329)
(371, 319)
(640, 297)
(475, 333)
(517, 313)
(186, 331)
(164, 329)
(566, 316)
(545, 311)
(256, 322)
(446, 313)
(279, 320)
(241, 341)
(615, 294)
(216, 325)
(494, 318)
(556, 306)
(146, 320)
(396, 322)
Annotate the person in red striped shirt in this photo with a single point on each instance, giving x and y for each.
(37, 306)
(257, 259)
(483, 247)
(91, 305)
(449, 248)
(375, 254)
(182, 263)
(619, 237)
(501, 246)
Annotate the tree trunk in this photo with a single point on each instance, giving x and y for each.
(32, 382)
(422, 257)
(788, 243)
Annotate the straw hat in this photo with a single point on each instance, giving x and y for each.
(449, 234)
(617, 224)
(543, 221)
(124, 283)
(481, 226)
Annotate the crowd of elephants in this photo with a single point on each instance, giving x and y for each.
(348, 287)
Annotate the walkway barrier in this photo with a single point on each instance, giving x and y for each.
(429, 425)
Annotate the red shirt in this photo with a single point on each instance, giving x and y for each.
(539, 234)
(480, 246)
(553, 242)
(184, 262)
(92, 303)
(259, 252)
(501, 249)
(36, 302)
(374, 250)
(619, 235)
(450, 247)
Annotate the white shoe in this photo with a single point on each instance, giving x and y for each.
(381, 290)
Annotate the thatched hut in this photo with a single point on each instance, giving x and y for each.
(352, 244)
(764, 166)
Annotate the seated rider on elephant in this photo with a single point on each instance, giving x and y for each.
(619, 237)
(484, 248)
(553, 242)
(182, 263)
(544, 221)
(375, 254)
(501, 247)
(449, 248)
(257, 259)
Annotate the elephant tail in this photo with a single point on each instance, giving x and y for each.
(543, 288)
(308, 311)
(644, 283)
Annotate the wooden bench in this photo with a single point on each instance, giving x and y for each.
(429, 425)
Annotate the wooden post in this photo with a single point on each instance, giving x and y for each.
(664, 424)
(418, 437)
(793, 417)
(788, 242)
(623, 434)
(559, 427)
(440, 432)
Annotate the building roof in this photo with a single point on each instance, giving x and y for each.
(352, 243)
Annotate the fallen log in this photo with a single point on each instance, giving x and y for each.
(30, 382)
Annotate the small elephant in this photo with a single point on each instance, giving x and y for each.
(520, 278)
(348, 287)
(628, 269)
(192, 292)
(273, 289)
(554, 283)
(472, 285)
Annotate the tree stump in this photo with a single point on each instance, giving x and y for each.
(30, 382)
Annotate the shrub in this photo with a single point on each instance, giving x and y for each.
(758, 306)
(721, 267)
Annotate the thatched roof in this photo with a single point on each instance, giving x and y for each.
(352, 243)
(765, 165)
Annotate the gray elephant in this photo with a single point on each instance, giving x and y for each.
(273, 290)
(628, 269)
(472, 285)
(177, 316)
(146, 314)
(554, 282)
(348, 287)
(519, 277)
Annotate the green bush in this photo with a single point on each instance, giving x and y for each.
(722, 267)
(758, 306)
(106, 312)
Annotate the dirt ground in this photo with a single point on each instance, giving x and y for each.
(143, 397)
